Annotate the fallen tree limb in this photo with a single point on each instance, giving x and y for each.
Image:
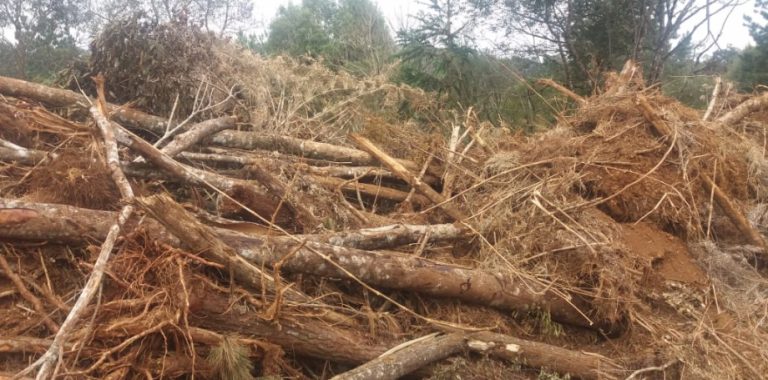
(744, 109)
(540, 355)
(275, 186)
(713, 101)
(563, 90)
(203, 240)
(64, 98)
(10, 152)
(353, 187)
(197, 133)
(299, 147)
(408, 177)
(395, 364)
(387, 237)
(243, 191)
(303, 336)
(736, 217)
(48, 362)
(386, 270)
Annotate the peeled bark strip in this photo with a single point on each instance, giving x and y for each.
(407, 176)
(386, 270)
(64, 98)
(299, 147)
(197, 133)
(744, 109)
(387, 237)
(394, 365)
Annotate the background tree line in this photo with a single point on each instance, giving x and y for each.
(572, 41)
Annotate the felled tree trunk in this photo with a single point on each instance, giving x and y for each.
(64, 98)
(379, 269)
(197, 133)
(744, 109)
(299, 147)
(387, 237)
(303, 336)
(392, 366)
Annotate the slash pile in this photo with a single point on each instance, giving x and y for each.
(270, 218)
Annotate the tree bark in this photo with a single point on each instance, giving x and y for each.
(64, 98)
(394, 365)
(243, 191)
(197, 133)
(302, 336)
(379, 269)
(744, 109)
(540, 355)
(408, 177)
(352, 187)
(393, 236)
(299, 147)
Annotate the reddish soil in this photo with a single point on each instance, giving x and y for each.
(667, 254)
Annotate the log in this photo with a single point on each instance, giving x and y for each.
(57, 97)
(203, 240)
(736, 217)
(304, 165)
(352, 187)
(381, 269)
(393, 365)
(659, 125)
(11, 152)
(579, 364)
(563, 90)
(393, 236)
(197, 133)
(49, 361)
(289, 196)
(243, 191)
(414, 274)
(713, 100)
(744, 109)
(408, 177)
(303, 336)
(299, 147)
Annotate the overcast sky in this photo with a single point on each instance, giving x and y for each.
(397, 12)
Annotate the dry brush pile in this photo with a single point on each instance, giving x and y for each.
(246, 217)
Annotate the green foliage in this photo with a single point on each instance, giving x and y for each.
(751, 67)
(349, 34)
(44, 42)
(438, 55)
(299, 30)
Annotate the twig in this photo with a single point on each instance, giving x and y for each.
(649, 369)
(28, 295)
